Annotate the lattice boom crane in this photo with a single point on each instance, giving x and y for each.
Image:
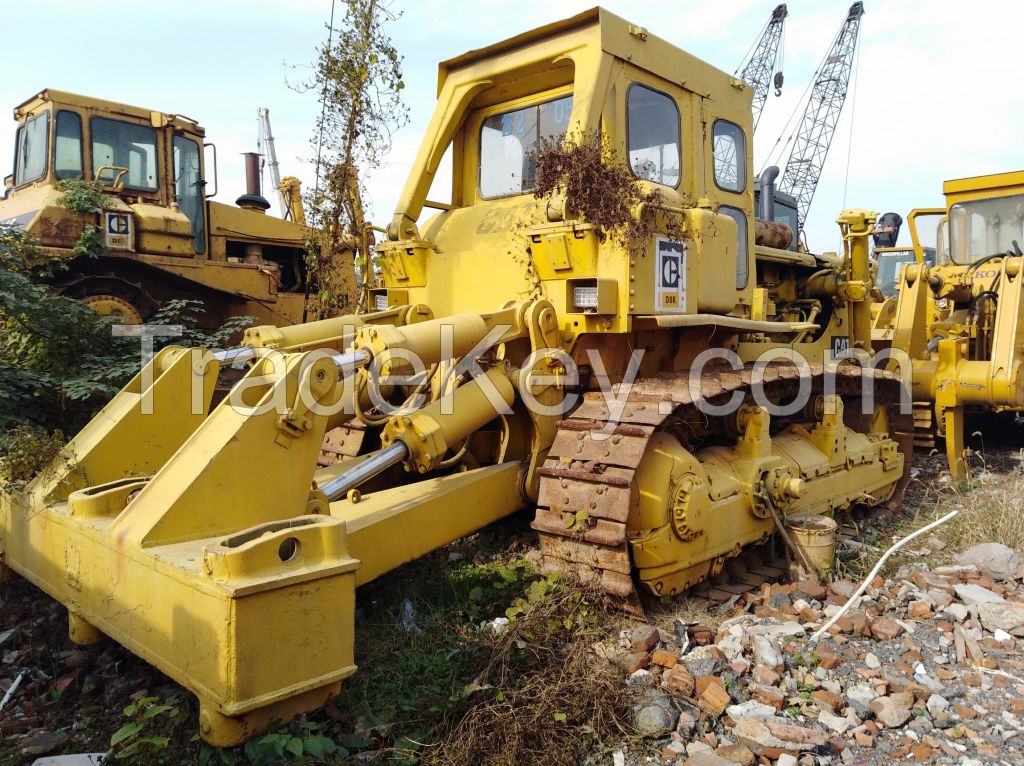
(818, 125)
(757, 69)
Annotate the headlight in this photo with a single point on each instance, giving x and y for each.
(584, 297)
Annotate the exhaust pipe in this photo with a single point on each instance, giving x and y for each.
(253, 198)
(766, 203)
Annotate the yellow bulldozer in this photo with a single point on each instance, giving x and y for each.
(663, 394)
(888, 259)
(162, 236)
(961, 320)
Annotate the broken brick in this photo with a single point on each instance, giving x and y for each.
(832, 701)
(663, 658)
(644, 638)
(885, 628)
(714, 700)
(768, 695)
(680, 681)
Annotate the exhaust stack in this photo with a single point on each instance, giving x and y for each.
(253, 198)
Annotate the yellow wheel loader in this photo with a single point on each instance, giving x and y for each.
(163, 236)
(961, 320)
(663, 395)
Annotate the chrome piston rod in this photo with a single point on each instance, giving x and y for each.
(347, 363)
(231, 356)
(376, 463)
(351, 361)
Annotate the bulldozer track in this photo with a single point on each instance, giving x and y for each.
(924, 426)
(597, 475)
(748, 572)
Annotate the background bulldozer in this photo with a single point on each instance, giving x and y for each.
(661, 390)
(960, 321)
(162, 235)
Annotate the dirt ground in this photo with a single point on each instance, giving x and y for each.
(421, 650)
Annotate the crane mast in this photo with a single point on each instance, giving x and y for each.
(267, 139)
(824, 106)
(757, 69)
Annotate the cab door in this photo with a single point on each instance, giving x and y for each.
(189, 187)
(729, 183)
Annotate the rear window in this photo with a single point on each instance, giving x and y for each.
(741, 244)
(730, 152)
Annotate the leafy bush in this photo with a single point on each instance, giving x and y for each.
(59, 360)
(148, 732)
(86, 199)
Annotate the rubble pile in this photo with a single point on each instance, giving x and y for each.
(922, 668)
(55, 696)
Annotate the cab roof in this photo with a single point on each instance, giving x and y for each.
(985, 183)
(64, 98)
(626, 41)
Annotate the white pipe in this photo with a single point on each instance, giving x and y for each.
(13, 688)
(864, 585)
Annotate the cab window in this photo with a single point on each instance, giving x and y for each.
(653, 132)
(730, 152)
(741, 243)
(986, 227)
(31, 147)
(120, 145)
(188, 188)
(509, 143)
(67, 145)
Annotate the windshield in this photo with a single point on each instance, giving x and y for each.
(986, 227)
(127, 146)
(31, 149)
(508, 145)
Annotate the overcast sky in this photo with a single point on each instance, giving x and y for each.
(937, 91)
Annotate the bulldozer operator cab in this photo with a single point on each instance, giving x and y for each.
(984, 218)
(682, 129)
(136, 155)
(987, 228)
(163, 237)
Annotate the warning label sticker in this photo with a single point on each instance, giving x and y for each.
(670, 276)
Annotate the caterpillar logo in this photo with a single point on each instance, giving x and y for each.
(670, 276)
(117, 230)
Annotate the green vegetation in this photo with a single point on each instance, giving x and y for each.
(59, 360)
(86, 199)
(148, 731)
(358, 75)
(443, 678)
